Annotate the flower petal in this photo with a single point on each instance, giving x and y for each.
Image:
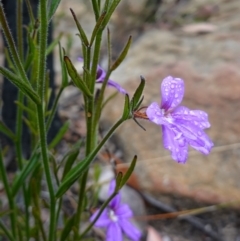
(101, 73)
(155, 114)
(113, 84)
(197, 117)
(174, 141)
(130, 230)
(172, 90)
(195, 136)
(124, 211)
(103, 220)
(114, 232)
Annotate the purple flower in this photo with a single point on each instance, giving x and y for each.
(180, 126)
(115, 218)
(101, 76)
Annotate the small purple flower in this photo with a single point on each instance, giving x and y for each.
(101, 76)
(180, 126)
(115, 218)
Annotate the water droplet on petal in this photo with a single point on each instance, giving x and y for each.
(181, 142)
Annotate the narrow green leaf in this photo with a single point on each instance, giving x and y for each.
(82, 34)
(5, 130)
(27, 109)
(118, 181)
(31, 52)
(97, 27)
(137, 95)
(76, 78)
(23, 175)
(24, 87)
(110, 11)
(128, 173)
(126, 111)
(139, 103)
(106, 5)
(52, 7)
(59, 135)
(63, 67)
(67, 228)
(109, 45)
(71, 177)
(53, 44)
(9, 60)
(69, 160)
(122, 55)
(31, 126)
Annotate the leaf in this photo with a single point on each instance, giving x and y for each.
(27, 109)
(63, 67)
(137, 95)
(129, 172)
(76, 78)
(70, 159)
(31, 126)
(110, 10)
(118, 181)
(97, 27)
(67, 228)
(5, 130)
(31, 52)
(59, 135)
(23, 175)
(23, 86)
(82, 34)
(122, 55)
(71, 177)
(126, 110)
(53, 44)
(52, 7)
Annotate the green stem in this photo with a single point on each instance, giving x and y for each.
(95, 9)
(91, 133)
(82, 182)
(45, 159)
(105, 204)
(42, 49)
(95, 60)
(10, 198)
(18, 143)
(40, 112)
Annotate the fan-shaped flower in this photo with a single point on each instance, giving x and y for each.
(180, 126)
(115, 218)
